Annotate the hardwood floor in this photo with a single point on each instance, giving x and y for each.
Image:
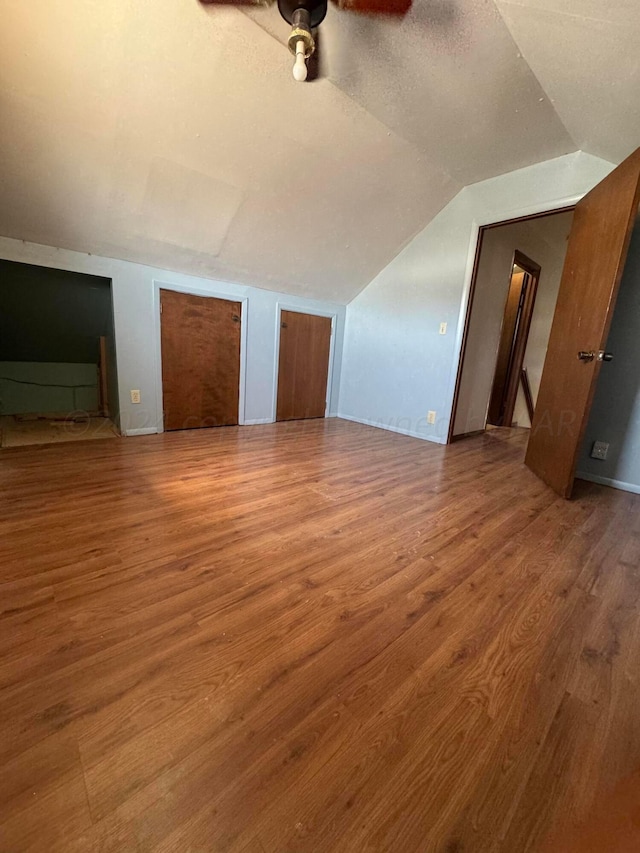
(310, 637)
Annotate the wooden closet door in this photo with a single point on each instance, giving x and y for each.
(200, 360)
(303, 368)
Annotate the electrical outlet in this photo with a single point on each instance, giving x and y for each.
(443, 328)
(135, 396)
(600, 450)
(431, 417)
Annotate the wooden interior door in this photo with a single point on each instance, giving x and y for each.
(200, 360)
(596, 255)
(303, 367)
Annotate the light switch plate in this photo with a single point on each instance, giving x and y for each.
(135, 396)
(443, 328)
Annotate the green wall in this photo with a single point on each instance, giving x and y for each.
(44, 387)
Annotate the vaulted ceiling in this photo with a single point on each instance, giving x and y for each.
(172, 134)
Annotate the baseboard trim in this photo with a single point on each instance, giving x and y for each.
(609, 481)
(258, 421)
(389, 428)
(142, 431)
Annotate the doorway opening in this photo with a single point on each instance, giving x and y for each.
(58, 374)
(514, 289)
(516, 323)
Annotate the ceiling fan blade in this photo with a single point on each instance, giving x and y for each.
(394, 8)
(237, 2)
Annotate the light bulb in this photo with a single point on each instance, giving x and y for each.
(300, 65)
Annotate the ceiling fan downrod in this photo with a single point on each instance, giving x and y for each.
(304, 16)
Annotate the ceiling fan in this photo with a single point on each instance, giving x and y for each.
(305, 16)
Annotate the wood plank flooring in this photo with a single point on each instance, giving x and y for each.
(310, 637)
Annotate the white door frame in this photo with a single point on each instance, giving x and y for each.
(284, 306)
(212, 294)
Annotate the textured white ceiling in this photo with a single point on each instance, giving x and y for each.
(172, 134)
(586, 55)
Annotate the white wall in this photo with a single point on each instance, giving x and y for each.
(396, 365)
(545, 242)
(615, 415)
(136, 317)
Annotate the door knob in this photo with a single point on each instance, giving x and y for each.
(605, 356)
(589, 355)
